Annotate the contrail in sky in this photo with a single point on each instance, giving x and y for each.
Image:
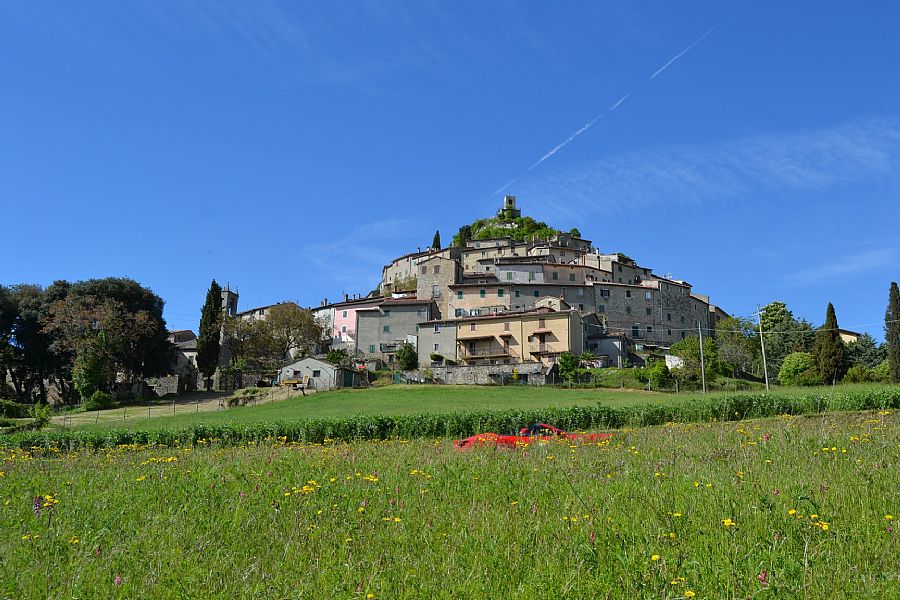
(682, 53)
(562, 145)
(621, 100)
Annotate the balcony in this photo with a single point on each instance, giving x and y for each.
(543, 349)
(478, 353)
(392, 347)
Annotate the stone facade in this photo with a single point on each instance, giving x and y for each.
(436, 337)
(531, 374)
(382, 330)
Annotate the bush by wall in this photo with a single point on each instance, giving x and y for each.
(13, 410)
(731, 407)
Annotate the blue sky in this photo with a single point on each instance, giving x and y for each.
(293, 148)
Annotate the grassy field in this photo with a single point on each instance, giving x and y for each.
(403, 400)
(391, 400)
(790, 507)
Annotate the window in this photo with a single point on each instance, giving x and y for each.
(506, 326)
(649, 311)
(420, 313)
(344, 329)
(371, 348)
(483, 254)
(435, 291)
(344, 314)
(542, 323)
(437, 328)
(562, 253)
(668, 316)
(581, 291)
(437, 269)
(668, 332)
(628, 293)
(387, 312)
(627, 310)
(482, 293)
(424, 270)
(581, 307)
(571, 276)
(604, 293)
(635, 331)
(601, 308)
(620, 268)
(535, 293)
(386, 329)
(649, 329)
(648, 295)
(555, 276)
(517, 293)
(459, 295)
(417, 328)
(682, 335)
(682, 319)
(531, 276)
(317, 373)
(509, 275)
(472, 327)
(499, 292)
(437, 347)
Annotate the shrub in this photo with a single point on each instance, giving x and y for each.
(98, 401)
(658, 375)
(799, 368)
(435, 357)
(858, 373)
(13, 410)
(41, 414)
(882, 373)
(407, 359)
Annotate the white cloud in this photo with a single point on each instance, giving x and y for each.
(848, 264)
(808, 160)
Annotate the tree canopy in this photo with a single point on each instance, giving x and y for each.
(892, 332)
(208, 347)
(828, 349)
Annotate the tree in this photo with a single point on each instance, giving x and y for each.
(338, 357)
(738, 344)
(828, 349)
(568, 365)
(688, 350)
(436, 242)
(865, 351)
(892, 332)
(783, 334)
(574, 232)
(292, 329)
(208, 340)
(799, 368)
(407, 359)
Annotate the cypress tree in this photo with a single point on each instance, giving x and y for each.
(828, 349)
(892, 332)
(436, 242)
(208, 340)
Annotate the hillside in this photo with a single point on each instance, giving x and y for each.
(507, 224)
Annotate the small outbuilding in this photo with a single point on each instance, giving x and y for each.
(316, 374)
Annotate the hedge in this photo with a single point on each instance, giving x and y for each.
(463, 424)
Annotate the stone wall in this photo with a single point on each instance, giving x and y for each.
(488, 374)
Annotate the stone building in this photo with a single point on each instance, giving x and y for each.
(383, 329)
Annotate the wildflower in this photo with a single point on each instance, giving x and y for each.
(141, 478)
(889, 517)
(118, 580)
(689, 594)
(792, 512)
(763, 577)
(728, 523)
(655, 557)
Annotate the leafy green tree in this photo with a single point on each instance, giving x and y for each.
(783, 334)
(799, 368)
(688, 350)
(407, 359)
(574, 232)
(865, 351)
(858, 373)
(568, 365)
(828, 349)
(436, 241)
(292, 330)
(337, 357)
(658, 374)
(208, 340)
(738, 344)
(892, 332)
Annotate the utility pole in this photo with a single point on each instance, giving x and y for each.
(762, 345)
(702, 361)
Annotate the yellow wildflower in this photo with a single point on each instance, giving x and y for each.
(655, 557)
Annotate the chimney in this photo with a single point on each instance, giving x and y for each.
(346, 296)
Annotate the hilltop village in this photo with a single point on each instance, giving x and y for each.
(487, 307)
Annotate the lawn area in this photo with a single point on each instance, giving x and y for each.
(390, 400)
(786, 507)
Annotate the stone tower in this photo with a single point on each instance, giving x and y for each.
(509, 209)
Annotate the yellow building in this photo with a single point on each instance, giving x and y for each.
(538, 335)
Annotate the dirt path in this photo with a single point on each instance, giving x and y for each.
(192, 402)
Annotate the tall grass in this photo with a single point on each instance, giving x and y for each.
(727, 407)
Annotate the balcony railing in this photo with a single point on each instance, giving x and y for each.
(465, 353)
(542, 349)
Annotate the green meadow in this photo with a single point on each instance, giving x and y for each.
(783, 507)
